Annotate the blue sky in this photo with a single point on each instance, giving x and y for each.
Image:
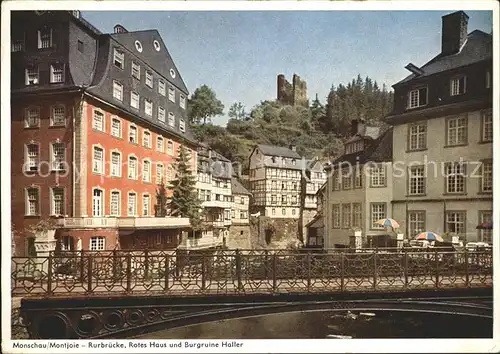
(239, 54)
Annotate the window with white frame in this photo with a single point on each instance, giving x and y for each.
(134, 100)
(32, 117)
(170, 173)
(56, 73)
(336, 216)
(377, 175)
(284, 200)
(149, 79)
(116, 127)
(171, 119)
(455, 222)
(18, 44)
(456, 131)
(485, 235)
(118, 58)
(357, 178)
(57, 205)
(146, 171)
(455, 177)
(32, 75)
(136, 70)
(162, 87)
(98, 120)
(117, 90)
(145, 205)
(170, 147)
(132, 204)
(171, 93)
(457, 86)
(416, 184)
(346, 178)
(97, 243)
(116, 164)
(182, 102)
(148, 107)
(346, 216)
(159, 173)
(417, 98)
(132, 167)
(356, 215)
(486, 177)
(98, 160)
(58, 115)
(417, 136)
(161, 114)
(98, 202)
(32, 157)
(32, 201)
(416, 222)
(67, 243)
(182, 125)
(132, 134)
(273, 211)
(58, 156)
(160, 144)
(146, 139)
(487, 126)
(378, 211)
(45, 38)
(115, 203)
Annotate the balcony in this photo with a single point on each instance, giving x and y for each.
(200, 243)
(219, 223)
(217, 204)
(227, 222)
(126, 222)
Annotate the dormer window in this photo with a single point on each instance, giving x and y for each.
(161, 87)
(171, 93)
(18, 43)
(118, 59)
(182, 125)
(32, 75)
(171, 119)
(56, 73)
(417, 98)
(136, 71)
(354, 147)
(149, 79)
(45, 38)
(457, 86)
(148, 107)
(182, 102)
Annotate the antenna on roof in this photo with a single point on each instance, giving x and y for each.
(414, 69)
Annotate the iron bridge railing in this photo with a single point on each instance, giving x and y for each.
(131, 272)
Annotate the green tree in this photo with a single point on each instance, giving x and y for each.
(184, 201)
(203, 105)
(237, 111)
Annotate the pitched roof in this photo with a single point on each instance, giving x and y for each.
(161, 60)
(237, 187)
(478, 47)
(274, 150)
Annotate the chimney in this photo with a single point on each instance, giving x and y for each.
(454, 32)
(293, 148)
(357, 127)
(354, 127)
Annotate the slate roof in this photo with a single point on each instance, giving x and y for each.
(237, 187)
(273, 150)
(379, 150)
(478, 47)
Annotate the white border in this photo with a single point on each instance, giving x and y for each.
(395, 345)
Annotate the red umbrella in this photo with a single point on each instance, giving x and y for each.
(487, 225)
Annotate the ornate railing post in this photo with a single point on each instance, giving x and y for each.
(436, 260)
(405, 266)
(266, 264)
(146, 264)
(375, 255)
(238, 270)
(203, 272)
(308, 260)
(50, 272)
(167, 272)
(466, 260)
(129, 272)
(115, 266)
(342, 271)
(89, 271)
(275, 271)
(82, 267)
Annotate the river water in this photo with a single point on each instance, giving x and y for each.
(325, 324)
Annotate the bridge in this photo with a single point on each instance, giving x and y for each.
(112, 294)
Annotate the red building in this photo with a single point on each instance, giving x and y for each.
(97, 120)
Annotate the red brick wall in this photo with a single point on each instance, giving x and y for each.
(44, 179)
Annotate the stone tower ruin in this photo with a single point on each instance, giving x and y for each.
(295, 93)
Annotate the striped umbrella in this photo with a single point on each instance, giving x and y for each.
(388, 223)
(429, 236)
